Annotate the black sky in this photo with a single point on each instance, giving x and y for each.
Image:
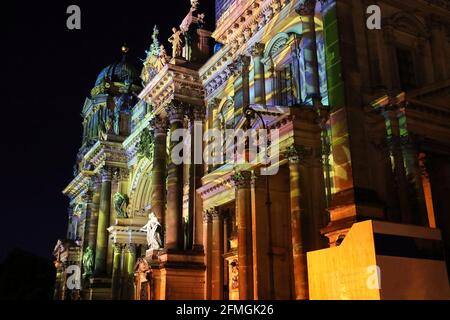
(49, 72)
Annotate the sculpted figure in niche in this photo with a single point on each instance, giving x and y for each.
(88, 262)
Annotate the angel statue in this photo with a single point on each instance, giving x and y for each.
(154, 232)
(121, 202)
(88, 262)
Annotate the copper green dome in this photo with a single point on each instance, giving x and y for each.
(122, 71)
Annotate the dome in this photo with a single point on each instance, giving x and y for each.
(121, 71)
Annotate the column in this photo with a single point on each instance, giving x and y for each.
(217, 254)
(103, 221)
(207, 240)
(298, 246)
(240, 69)
(438, 48)
(309, 49)
(257, 52)
(174, 230)
(87, 199)
(392, 114)
(131, 261)
(94, 211)
(414, 178)
(159, 126)
(117, 258)
(196, 170)
(270, 83)
(244, 224)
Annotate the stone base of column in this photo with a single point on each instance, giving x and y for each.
(100, 289)
(179, 276)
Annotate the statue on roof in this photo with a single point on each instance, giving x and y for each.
(177, 43)
(194, 5)
(163, 58)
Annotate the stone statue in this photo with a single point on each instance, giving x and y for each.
(195, 4)
(154, 232)
(163, 59)
(177, 43)
(121, 202)
(104, 127)
(88, 262)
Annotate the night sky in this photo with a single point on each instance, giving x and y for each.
(49, 72)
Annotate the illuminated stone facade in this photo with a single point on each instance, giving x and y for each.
(362, 117)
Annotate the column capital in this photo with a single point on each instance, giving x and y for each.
(159, 125)
(240, 65)
(215, 214)
(257, 50)
(207, 217)
(118, 247)
(213, 103)
(131, 248)
(106, 174)
(198, 113)
(87, 196)
(176, 111)
(121, 174)
(297, 154)
(242, 179)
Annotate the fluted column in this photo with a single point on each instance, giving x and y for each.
(297, 214)
(103, 221)
(174, 231)
(309, 47)
(217, 253)
(244, 225)
(159, 126)
(117, 259)
(257, 52)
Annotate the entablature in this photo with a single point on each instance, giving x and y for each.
(174, 82)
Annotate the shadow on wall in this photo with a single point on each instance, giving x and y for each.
(24, 276)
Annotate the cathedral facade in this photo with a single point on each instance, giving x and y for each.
(351, 188)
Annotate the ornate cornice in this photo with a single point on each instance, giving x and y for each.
(243, 21)
(173, 83)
